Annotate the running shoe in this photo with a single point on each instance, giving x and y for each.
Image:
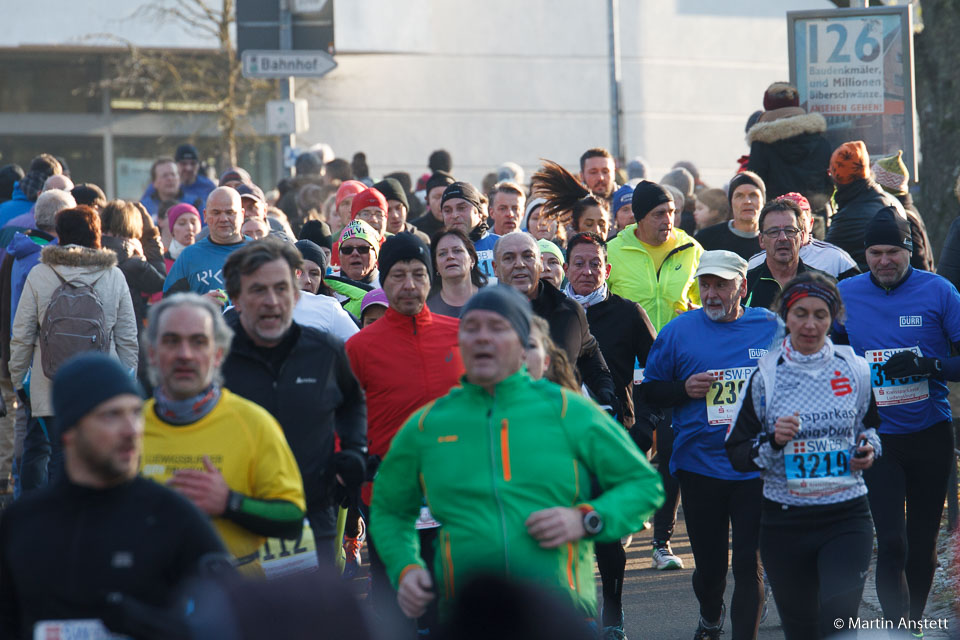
(351, 547)
(706, 632)
(663, 557)
(613, 632)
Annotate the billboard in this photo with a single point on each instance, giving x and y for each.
(855, 67)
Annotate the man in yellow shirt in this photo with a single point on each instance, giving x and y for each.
(652, 262)
(224, 453)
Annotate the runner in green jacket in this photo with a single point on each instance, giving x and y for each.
(504, 463)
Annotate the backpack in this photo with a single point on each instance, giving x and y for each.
(74, 323)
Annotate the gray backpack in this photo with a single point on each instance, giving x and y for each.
(74, 323)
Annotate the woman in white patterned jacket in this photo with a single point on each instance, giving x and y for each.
(807, 422)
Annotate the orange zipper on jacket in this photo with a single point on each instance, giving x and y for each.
(505, 448)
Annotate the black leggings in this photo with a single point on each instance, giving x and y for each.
(383, 596)
(817, 559)
(612, 563)
(914, 468)
(666, 516)
(711, 507)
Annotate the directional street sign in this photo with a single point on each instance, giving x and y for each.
(282, 64)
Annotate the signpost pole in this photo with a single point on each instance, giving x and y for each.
(616, 104)
(287, 89)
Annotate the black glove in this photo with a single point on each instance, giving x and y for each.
(373, 463)
(350, 468)
(906, 364)
(24, 398)
(645, 425)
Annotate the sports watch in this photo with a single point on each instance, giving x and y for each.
(592, 521)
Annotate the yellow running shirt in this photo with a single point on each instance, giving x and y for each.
(247, 446)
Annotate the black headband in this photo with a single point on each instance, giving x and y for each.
(810, 289)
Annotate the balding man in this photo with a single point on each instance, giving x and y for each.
(200, 266)
(517, 263)
(58, 181)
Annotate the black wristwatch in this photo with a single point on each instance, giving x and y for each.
(592, 521)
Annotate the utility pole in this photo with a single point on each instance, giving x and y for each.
(616, 105)
(287, 88)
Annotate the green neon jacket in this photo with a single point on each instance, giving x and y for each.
(486, 462)
(663, 294)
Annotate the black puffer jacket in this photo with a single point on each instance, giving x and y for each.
(312, 393)
(789, 151)
(570, 330)
(857, 204)
(144, 277)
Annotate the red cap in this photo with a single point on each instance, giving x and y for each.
(368, 198)
(349, 188)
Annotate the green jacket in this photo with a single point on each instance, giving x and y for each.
(663, 294)
(353, 295)
(485, 463)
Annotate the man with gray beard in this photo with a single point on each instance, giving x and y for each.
(698, 366)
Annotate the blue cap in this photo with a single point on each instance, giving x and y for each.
(623, 195)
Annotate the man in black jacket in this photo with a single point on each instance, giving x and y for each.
(625, 335)
(517, 263)
(105, 544)
(301, 376)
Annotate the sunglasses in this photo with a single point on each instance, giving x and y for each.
(346, 251)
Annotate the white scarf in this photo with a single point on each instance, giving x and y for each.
(175, 248)
(591, 298)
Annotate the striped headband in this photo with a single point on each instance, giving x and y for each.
(810, 289)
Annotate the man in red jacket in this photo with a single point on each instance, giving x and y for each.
(403, 361)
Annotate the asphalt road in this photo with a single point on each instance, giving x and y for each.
(660, 605)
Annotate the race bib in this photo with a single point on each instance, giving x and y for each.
(817, 467)
(426, 521)
(280, 557)
(73, 630)
(893, 391)
(724, 393)
(637, 371)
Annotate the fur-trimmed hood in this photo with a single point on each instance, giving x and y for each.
(74, 255)
(788, 127)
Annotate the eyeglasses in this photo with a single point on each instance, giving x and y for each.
(790, 232)
(346, 251)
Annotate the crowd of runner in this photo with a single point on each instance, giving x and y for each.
(475, 382)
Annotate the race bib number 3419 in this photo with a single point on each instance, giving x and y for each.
(893, 391)
(724, 393)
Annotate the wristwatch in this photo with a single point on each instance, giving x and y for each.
(592, 521)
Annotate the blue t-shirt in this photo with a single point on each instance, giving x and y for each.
(921, 314)
(484, 247)
(201, 265)
(693, 343)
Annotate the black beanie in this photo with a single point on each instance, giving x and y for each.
(318, 232)
(888, 227)
(746, 177)
(646, 197)
(463, 190)
(393, 190)
(403, 246)
(86, 381)
(439, 179)
(506, 301)
(310, 250)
